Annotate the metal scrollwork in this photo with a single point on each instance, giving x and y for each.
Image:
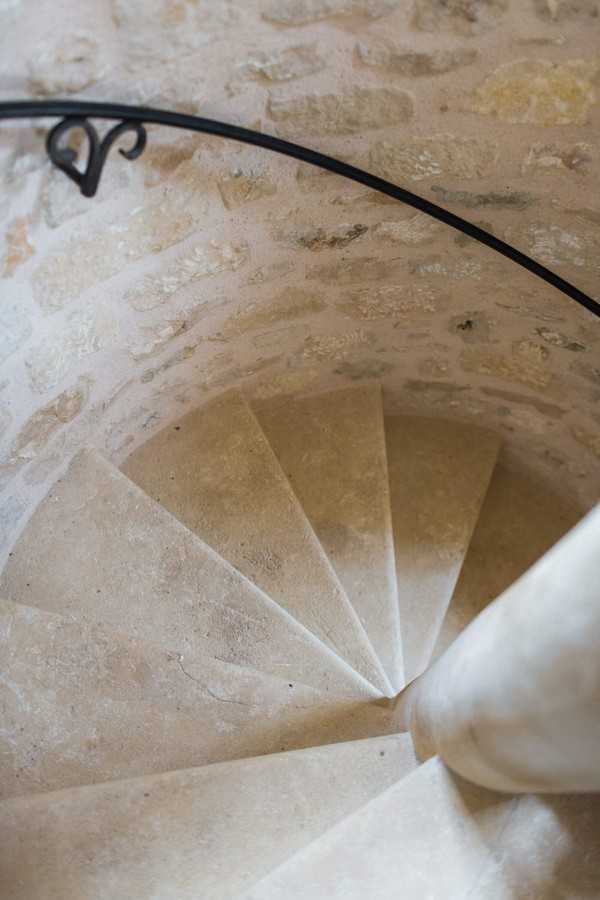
(64, 157)
(75, 114)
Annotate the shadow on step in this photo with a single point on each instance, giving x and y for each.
(331, 723)
(541, 847)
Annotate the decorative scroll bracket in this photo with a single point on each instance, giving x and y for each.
(75, 114)
(64, 157)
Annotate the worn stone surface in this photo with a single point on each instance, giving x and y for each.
(494, 199)
(199, 834)
(69, 271)
(207, 259)
(155, 338)
(549, 410)
(355, 270)
(402, 281)
(61, 203)
(347, 112)
(454, 269)
(338, 439)
(71, 64)
(438, 835)
(336, 347)
(167, 161)
(383, 53)
(558, 246)
(566, 10)
(588, 439)
(291, 304)
(15, 329)
(527, 367)
(83, 334)
(363, 369)
(327, 239)
(439, 472)
(418, 229)
(539, 92)
(588, 370)
(465, 17)
(521, 519)
(209, 612)
(558, 339)
(285, 65)
(389, 302)
(18, 246)
(37, 431)
(286, 383)
(241, 187)
(302, 12)
(473, 327)
(431, 157)
(552, 157)
(217, 475)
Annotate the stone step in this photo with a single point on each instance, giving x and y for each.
(215, 471)
(332, 448)
(83, 704)
(433, 835)
(439, 473)
(98, 549)
(205, 832)
(521, 519)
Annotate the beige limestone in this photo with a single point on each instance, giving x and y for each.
(539, 91)
(332, 448)
(439, 472)
(520, 520)
(186, 55)
(436, 836)
(347, 112)
(228, 61)
(301, 12)
(83, 704)
(513, 703)
(216, 472)
(204, 832)
(102, 552)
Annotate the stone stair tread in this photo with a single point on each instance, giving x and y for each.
(434, 835)
(520, 520)
(204, 832)
(99, 550)
(84, 704)
(439, 474)
(332, 448)
(215, 471)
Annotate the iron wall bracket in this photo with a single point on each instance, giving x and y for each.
(76, 114)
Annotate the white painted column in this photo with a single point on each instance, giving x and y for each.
(514, 703)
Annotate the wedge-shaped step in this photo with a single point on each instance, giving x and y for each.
(439, 473)
(100, 550)
(434, 836)
(202, 833)
(82, 704)
(332, 448)
(216, 472)
(521, 519)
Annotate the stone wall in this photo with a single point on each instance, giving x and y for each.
(206, 264)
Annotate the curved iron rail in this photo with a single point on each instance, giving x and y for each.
(75, 114)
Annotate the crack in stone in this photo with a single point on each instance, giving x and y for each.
(225, 699)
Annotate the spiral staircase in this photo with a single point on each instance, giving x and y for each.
(199, 653)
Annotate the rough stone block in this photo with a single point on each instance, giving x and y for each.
(348, 112)
(539, 92)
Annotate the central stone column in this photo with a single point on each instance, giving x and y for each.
(514, 703)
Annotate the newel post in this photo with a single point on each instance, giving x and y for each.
(514, 703)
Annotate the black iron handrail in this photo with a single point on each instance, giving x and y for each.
(75, 114)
